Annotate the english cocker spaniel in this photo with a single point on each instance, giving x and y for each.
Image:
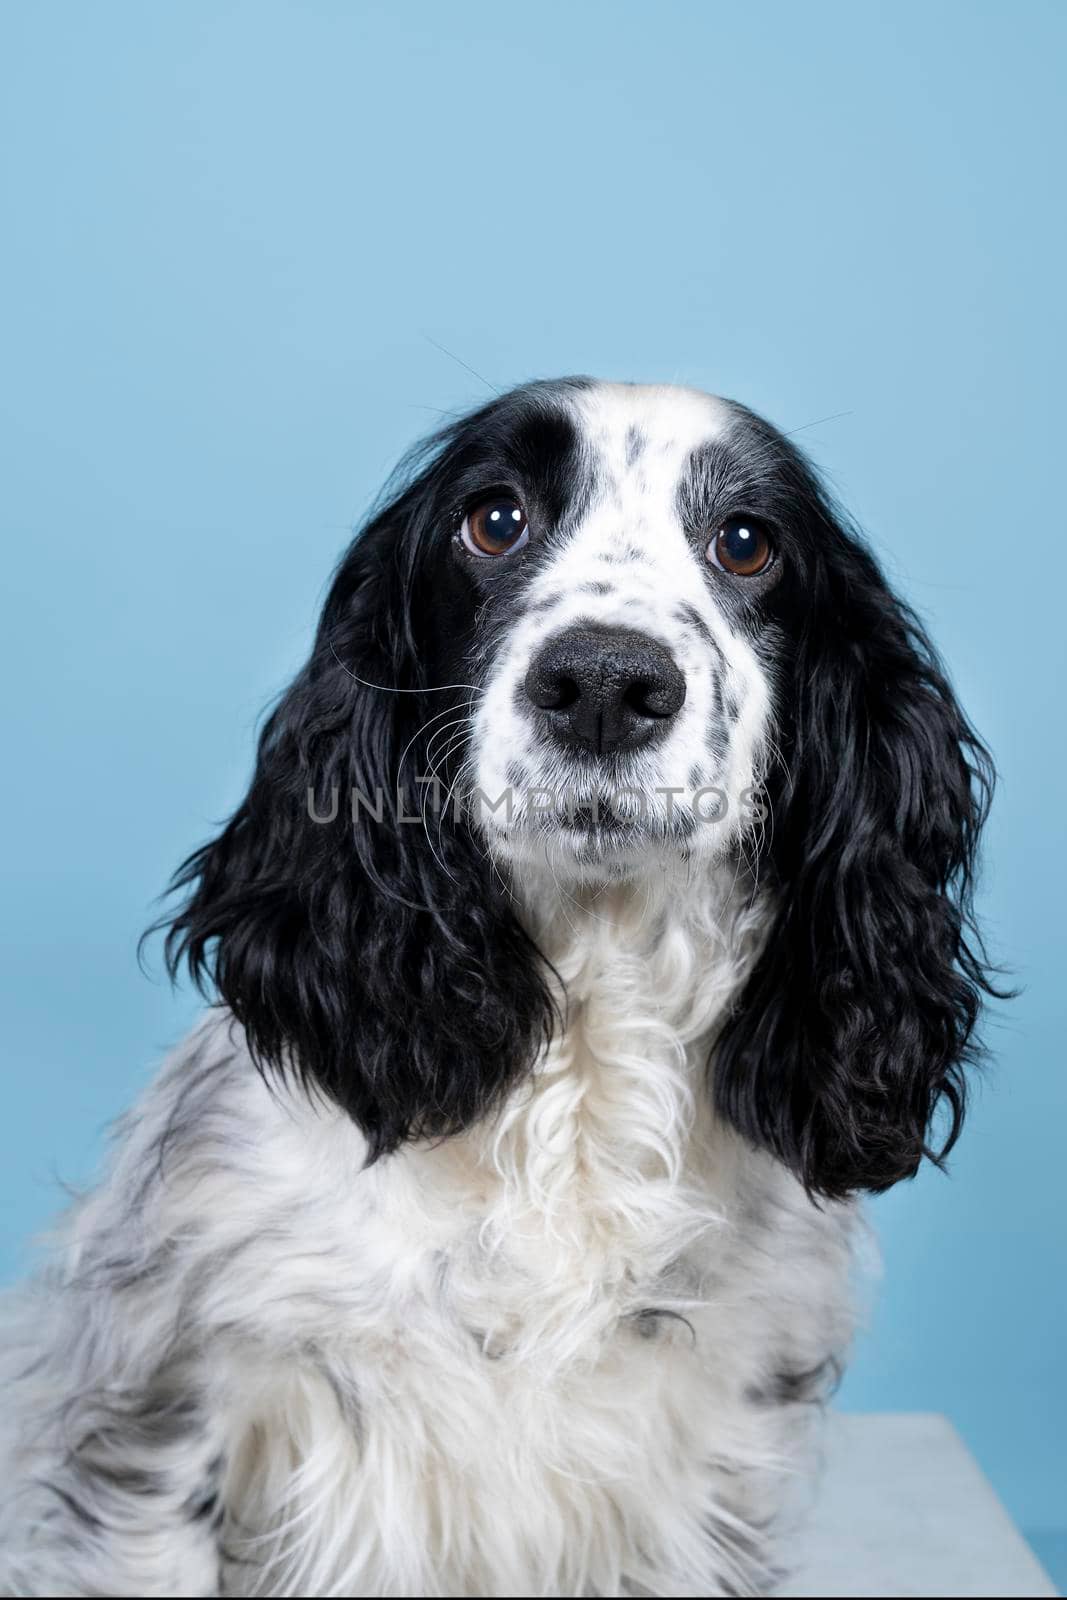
(596, 927)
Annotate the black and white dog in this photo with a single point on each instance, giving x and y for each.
(598, 920)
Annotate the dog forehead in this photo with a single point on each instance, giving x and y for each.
(646, 433)
(624, 553)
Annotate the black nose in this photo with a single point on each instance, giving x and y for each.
(605, 689)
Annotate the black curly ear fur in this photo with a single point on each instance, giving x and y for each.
(846, 1055)
(379, 962)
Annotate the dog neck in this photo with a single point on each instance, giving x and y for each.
(596, 1165)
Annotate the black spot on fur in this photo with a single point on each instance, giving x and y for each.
(649, 1322)
(798, 1386)
(683, 823)
(745, 1548)
(205, 1508)
(73, 1504)
(690, 617)
(635, 444)
(545, 603)
(716, 744)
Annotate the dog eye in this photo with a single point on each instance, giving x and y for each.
(496, 527)
(741, 546)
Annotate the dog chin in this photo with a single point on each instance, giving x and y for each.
(607, 831)
(578, 849)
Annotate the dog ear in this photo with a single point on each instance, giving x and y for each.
(374, 956)
(858, 1022)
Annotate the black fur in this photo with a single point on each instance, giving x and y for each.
(855, 1030)
(384, 964)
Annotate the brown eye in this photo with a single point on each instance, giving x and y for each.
(741, 546)
(496, 527)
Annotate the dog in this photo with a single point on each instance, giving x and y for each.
(596, 929)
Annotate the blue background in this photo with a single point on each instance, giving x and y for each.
(229, 234)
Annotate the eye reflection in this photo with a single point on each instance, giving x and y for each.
(496, 527)
(742, 546)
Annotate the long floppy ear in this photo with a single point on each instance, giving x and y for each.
(851, 1039)
(377, 960)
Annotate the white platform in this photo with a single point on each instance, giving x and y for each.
(905, 1510)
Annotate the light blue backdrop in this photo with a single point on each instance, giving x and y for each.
(228, 234)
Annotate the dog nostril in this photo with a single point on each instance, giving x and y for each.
(553, 691)
(656, 697)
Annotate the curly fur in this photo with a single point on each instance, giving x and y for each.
(522, 1263)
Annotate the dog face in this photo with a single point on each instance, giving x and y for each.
(594, 622)
(627, 700)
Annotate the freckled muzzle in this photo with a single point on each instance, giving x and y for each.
(601, 690)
